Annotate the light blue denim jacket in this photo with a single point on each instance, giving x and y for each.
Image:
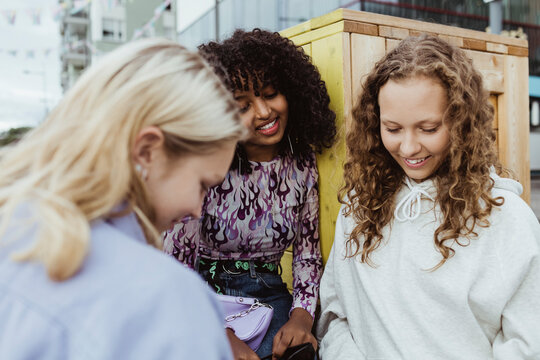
(128, 301)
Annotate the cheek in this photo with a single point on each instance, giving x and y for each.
(390, 143)
(247, 118)
(440, 145)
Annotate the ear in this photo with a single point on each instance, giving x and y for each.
(148, 143)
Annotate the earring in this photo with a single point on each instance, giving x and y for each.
(143, 173)
(290, 144)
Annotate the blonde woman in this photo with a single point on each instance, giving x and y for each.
(131, 149)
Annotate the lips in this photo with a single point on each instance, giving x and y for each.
(416, 163)
(269, 128)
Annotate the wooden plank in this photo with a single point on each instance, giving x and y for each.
(518, 51)
(393, 32)
(492, 68)
(391, 44)
(493, 101)
(361, 64)
(452, 40)
(361, 28)
(513, 110)
(286, 267)
(314, 35)
(496, 48)
(348, 58)
(328, 55)
(327, 19)
(307, 49)
(296, 29)
(392, 21)
(413, 32)
(474, 44)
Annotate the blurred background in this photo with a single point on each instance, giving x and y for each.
(46, 44)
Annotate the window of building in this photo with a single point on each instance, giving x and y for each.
(113, 29)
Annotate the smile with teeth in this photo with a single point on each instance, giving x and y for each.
(415, 161)
(267, 126)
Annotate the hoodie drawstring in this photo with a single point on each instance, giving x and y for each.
(405, 206)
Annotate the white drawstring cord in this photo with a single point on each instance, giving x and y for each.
(405, 206)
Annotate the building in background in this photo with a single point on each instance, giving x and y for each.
(90, 29)
(521, 18)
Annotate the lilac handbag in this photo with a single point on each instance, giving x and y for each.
(248, 318)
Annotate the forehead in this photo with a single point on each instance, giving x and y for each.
(416, 99)
(250, 80)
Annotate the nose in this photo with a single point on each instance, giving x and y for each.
(262, 110)
(410, 145)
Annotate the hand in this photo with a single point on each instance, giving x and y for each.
(239, 348)
(296, 331)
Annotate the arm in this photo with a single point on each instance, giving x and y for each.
(519, 337)
(307, 259)
(333, 328)
(307, 268)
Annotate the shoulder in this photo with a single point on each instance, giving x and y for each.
(515, 229)
(127, 301)
(160, 300)
(306, 166)
(514, 212)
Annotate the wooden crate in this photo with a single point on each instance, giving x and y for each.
(345, 44)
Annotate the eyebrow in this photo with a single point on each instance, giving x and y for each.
(240, 96)
(430, 121)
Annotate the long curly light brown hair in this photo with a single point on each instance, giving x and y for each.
(373, 177)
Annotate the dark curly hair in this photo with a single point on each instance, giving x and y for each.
(372, 176)
(260, 57)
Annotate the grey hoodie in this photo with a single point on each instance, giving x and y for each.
(483, 303)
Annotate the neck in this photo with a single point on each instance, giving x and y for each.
(261, 153)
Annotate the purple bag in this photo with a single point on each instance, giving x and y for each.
(248, 317)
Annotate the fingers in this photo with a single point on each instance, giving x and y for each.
(282, 341)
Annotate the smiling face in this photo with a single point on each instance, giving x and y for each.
(266, 117)
(412, 128)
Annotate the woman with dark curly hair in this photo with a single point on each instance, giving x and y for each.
(269, 200)
(435, 254)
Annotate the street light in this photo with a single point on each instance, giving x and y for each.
(495, 15)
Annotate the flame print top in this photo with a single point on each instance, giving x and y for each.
(258, 216)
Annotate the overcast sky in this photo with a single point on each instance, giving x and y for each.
(29, 62)
(30, 57)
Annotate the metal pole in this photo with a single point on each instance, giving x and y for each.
(495, 16)
(217, 19)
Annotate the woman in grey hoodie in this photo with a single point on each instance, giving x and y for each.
(435, 255)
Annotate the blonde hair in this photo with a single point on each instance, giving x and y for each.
(77, 166)
(372, 176)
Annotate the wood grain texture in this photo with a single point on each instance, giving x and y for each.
(361, 28)
(513, 122)
(518, 51)
(329, 55)
(497, 48)
(393, 32)
(474, 44)
(491, 66)
(452, 40)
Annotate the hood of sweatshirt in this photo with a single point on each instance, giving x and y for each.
(409, 199)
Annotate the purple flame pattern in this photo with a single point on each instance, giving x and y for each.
(258, 216)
